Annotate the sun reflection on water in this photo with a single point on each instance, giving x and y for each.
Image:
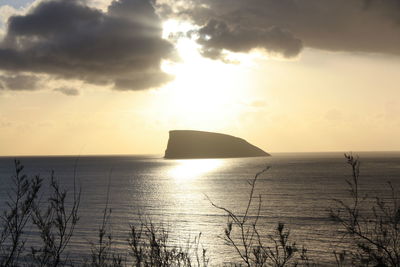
(190, 169)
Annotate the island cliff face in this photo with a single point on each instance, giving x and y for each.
(185, 144)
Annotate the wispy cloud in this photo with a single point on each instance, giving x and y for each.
(19, 82)
(67, 91)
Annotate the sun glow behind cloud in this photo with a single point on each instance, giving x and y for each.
(204, 94)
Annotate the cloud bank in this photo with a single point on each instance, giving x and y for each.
(66, 39)
(285, 26)
(122, 45)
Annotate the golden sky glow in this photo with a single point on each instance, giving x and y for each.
(317, 101)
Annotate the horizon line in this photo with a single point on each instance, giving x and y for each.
(161, 155)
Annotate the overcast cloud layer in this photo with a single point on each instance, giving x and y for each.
(69, 40)
(285, 26)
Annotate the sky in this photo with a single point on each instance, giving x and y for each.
(84, 77)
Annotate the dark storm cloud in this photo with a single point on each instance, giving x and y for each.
(19, 82)
(67, 39)
(279, 25)
(67, 91)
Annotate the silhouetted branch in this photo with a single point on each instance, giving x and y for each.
(376, 234)
(19, 211)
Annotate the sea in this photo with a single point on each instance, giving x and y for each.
(298, 189)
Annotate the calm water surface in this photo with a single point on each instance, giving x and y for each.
(297, 190)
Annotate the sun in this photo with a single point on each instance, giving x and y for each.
(205, 93)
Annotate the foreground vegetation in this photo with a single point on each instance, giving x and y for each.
(372, 230)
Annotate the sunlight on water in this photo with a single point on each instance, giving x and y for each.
(297, 190)
(190, 169)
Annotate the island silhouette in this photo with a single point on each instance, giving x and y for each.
(189, 144)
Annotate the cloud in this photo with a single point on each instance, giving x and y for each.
(217, 35)
(67, 39)
(19, 82)
(281, 26)
(67, 91)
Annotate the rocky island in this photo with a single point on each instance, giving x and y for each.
(186, 144)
